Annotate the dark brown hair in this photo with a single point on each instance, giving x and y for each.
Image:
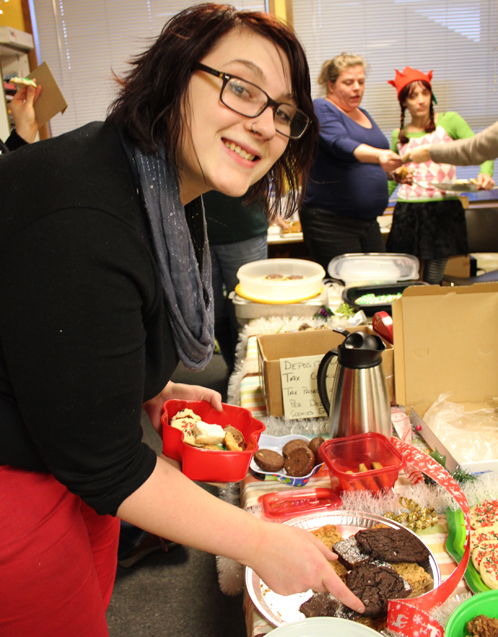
(403, 94)
(153, 100)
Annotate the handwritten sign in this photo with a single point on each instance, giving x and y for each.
(299, 386)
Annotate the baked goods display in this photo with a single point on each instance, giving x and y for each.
(206, 436)
(283, 277)
(297, 459)
(377, 564)
(482, 626)
(484, 541)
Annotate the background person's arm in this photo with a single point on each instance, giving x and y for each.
(468, 152)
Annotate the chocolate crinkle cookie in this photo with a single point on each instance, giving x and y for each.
(375, 585)
(392, 545)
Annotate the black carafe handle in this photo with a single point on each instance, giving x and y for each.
(321, 378)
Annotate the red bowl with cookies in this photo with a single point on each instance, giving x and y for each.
(364, 462)
(212, 446)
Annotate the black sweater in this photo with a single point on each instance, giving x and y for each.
(84, 336)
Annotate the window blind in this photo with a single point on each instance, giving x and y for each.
(83, 41)
(457, 39)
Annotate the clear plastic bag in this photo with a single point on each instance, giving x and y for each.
(470, 436)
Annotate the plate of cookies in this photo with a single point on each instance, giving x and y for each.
(211, 446)
(481, 574)
(291, 459)
(370, 548)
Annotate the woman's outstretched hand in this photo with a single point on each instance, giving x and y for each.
(292, 560)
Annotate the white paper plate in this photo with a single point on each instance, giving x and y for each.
(276, 443)
(324, 627)
(284, 609)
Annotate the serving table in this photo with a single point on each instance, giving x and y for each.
(252, 398)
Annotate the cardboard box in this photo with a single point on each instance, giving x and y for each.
(273, 347)
(446, 340)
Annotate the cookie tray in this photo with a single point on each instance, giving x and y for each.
(280, 609)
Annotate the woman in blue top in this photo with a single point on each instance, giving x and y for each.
(347, 189)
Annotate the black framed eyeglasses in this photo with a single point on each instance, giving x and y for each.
(249, 100)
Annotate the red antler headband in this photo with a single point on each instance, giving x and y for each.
(407, 76)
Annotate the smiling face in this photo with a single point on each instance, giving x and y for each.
(418, 101)
(224, 153)
(347, 91)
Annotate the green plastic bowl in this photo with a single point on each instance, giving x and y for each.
(481, 604)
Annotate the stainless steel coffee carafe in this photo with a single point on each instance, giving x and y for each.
(359, 402)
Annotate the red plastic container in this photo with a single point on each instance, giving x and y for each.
(345, 454)
(205, 465)
(290, 504)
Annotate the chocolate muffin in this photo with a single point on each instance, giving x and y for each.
(375, 585)
(392, 545)
(293, 444)
(299, 462)
(268, 460)
(314, 445)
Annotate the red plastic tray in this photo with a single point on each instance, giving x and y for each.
(290, 504)
(205, 465)
(345, 454)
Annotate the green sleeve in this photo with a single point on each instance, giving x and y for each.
(457, 128)
(391, 184)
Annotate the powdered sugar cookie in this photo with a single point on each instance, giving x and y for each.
(489, 570)
(480, 551)
(484, 534)
(484, 514)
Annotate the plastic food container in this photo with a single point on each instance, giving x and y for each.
(343, 455)
(205, 465)
(290, 504)
(481, 604)
(353, 294)
(374, 267)
(254, 287)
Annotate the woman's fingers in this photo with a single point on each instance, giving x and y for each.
(333, 584)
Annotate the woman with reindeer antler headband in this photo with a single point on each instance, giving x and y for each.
(428, 221)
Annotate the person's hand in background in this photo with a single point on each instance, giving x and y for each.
(23, 112)
(389, 160)
(485, 182)
(403, 175)
(417, 155)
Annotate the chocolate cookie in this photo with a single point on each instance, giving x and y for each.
(314, 445)
(392, 545)
(348, 553)
(299, 462)
(293, 444)
(375, 585)
(320, 605)
(268, 460)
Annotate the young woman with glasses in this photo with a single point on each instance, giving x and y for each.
(104, 286)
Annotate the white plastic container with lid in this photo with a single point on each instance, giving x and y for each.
(255, 286)
(374, 267)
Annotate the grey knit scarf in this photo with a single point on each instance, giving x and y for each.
(184, 267)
